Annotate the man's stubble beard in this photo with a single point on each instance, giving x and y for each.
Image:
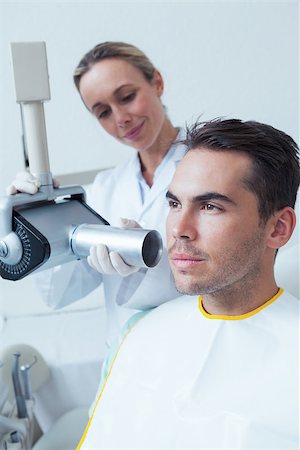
(237, 270)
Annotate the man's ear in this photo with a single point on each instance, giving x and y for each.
(158, 82)
(281, 227)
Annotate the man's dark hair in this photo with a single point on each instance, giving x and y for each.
(275, 174)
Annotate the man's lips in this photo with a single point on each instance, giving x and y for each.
(183, 260)
(133, 133)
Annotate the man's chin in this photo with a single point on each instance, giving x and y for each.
(185, 289)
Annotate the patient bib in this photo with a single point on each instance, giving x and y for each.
(182, 379)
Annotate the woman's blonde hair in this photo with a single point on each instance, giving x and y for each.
(119, 50)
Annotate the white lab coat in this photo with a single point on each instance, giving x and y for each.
(116, 193)
(182, 379)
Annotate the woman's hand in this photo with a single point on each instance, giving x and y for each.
(111, 263)
(24, 182)
(27, 183)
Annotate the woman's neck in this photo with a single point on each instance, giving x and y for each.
(151, 158)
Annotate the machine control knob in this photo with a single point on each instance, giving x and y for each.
(3, 249)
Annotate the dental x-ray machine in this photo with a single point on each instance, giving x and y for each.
(55, 225)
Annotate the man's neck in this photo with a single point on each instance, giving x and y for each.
(235, 302)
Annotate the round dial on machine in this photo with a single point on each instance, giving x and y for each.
(36, 250)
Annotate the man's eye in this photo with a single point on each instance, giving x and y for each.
(210, 207)
(173, 204)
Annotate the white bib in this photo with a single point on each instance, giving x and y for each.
(183, 380)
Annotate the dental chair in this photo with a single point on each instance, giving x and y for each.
(64, 434)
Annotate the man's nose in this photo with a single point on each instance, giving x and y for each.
(184, 227)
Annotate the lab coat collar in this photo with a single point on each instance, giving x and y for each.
(165, 171)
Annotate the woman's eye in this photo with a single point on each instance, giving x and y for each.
(103, 114)
(129, 97)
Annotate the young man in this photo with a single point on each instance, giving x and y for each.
(218, 369)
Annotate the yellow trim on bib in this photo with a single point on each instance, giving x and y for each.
(242, 316)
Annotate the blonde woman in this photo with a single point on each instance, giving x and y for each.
(123, 90)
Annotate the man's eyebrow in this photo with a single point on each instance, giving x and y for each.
(171, 196)
(209, 196)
